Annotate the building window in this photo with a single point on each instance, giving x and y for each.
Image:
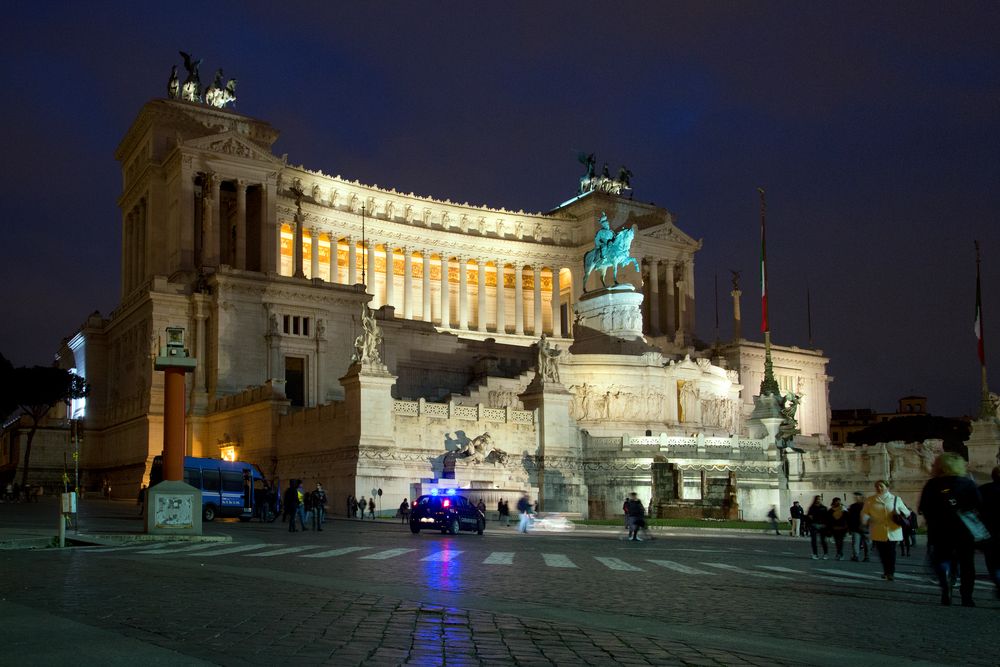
(294, 325)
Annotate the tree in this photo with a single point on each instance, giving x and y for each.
(36, 390)
(7, 402)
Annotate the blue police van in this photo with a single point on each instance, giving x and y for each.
(228, 488)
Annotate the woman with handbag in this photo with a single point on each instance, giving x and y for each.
(946, 496)
(884, 515)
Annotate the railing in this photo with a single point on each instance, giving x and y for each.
(449, 410)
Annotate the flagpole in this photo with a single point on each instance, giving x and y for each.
(769, 385)
(985, 408)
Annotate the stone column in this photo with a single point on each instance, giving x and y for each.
(426, 285)
(537, 324)
(689, 281)
(407, 284)
(501, 324)
(556, 304)
(298, 270)
(519, 299)
(671, 304)
(463, 294)
(654, 297)
(352, 259)
(216, 224)
(737, 323)
(681, 314)
(445, 305)
(186, 214)
(207, 204)
(390, 274)
(241, 224)
(481, 294)
(127, 253)
(576, 274)
(270, 241)
(314, 253)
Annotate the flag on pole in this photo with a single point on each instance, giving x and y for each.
(763, 264)
(979, 314)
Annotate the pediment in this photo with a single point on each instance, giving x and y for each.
(233, 144)
(668, 232)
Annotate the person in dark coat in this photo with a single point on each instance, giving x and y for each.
(817, 515)
(990, 495)
(858, 531)
(948, 492)
(838, 526)
(636, 516)
(292, 504)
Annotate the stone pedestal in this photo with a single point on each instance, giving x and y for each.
(984, 448)
(173, 508)
(560, 476)
(613, 311)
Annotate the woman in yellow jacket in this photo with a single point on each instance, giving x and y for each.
(884, 532)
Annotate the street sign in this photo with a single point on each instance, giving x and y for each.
(380, 493)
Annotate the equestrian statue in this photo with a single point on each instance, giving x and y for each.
(611, 250)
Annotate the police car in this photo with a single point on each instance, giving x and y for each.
(446, 511)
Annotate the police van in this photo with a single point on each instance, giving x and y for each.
(228, 488)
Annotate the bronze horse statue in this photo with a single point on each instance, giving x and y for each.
(615, 254)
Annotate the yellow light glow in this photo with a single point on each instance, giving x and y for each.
(228, 452)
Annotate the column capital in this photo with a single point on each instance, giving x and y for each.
(241, 184)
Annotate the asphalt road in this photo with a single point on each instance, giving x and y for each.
(373, 593)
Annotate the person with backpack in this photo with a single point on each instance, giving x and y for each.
(817, 514)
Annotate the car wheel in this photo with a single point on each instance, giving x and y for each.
(454, 527)
(481, 526)
(414, 528)
(208, 513)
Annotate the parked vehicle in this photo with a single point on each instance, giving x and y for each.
(447, 512)
(228, 488)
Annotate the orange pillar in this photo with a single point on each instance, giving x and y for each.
(173, 424)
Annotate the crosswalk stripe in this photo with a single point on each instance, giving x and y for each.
(617, 564)
(282, 552)
(846, 573)
(557, 560)
(233, 550)
(442, 556)
(677, 567)
(778, 568)
(500, 558)
(390, 553)
(145, 546)
(334, 552)
(750, 573)
(192, 547)
(910, 577)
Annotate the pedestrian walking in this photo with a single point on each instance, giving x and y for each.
(796, 513)
(291, 505)
(504, 509)
(404, 511)
(878, 515)
(945, 496)
(858, 531)
(636, 517)
(300, 511)
(772, 520)
(817, 515)
(481, 506)
(524, 510)
(838, 526)
(990, 495)
(140, 499)
(362, 505)
(371, 508)
(319, 506)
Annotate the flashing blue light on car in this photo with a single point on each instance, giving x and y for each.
(451, 492)
(434, 492)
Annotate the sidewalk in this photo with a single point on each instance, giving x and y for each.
(35, 525)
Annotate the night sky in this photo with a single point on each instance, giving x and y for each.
(875, 130)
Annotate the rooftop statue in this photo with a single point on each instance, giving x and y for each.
(173, 85)
(191, 90)
(611, 250)
(366, 346)
(624, 175)
(218, 95)
(591, 181)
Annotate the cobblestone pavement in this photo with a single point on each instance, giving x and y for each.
(373, 594)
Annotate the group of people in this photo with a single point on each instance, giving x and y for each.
(306, 507)
(356, 507)
(960, 517)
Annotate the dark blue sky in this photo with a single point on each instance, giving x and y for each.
(873, 128)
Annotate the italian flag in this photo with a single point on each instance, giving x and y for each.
(979, 321)
(763, 275)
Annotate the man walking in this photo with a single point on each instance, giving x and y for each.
(292, 504)
(524, 509)
(858, 531)
(319, 506)
(404, 511)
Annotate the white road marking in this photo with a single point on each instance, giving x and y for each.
(557, 560)
(234, 550)
(442, 556)
(677, 567)
(282, 552)
(193, 547)
(846, 573)
(733, 568)
(778, 568)
(617, 564)
(145, 546)
(334, 552)
(383, 555)
(500, 558)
